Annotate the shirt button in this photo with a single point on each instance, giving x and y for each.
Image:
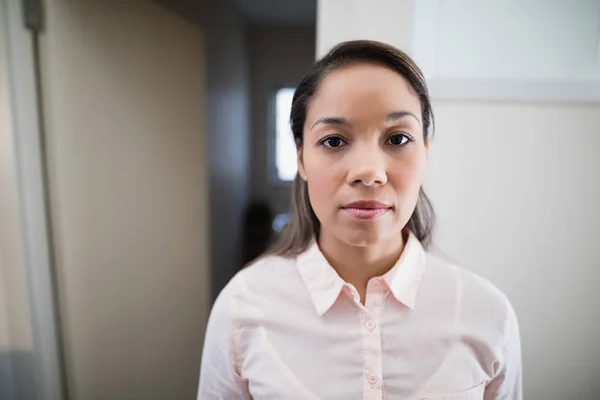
(377, 284)
(370, 325)
(373, 379)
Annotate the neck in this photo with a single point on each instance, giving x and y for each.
(358, 264)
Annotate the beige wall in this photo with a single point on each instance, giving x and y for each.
(124, 93)
(516, 187)
(228, 121)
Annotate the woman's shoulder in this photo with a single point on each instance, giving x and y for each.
(268, 267)
(480, 312)
(262, 276)
(473, 292)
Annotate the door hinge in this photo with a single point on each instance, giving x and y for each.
(32, 15)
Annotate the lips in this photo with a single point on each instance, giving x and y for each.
(366, 209)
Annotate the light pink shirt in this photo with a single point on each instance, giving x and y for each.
(293, 329)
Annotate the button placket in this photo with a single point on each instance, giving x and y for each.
(372, 353)
(371, 325)
(351, 290)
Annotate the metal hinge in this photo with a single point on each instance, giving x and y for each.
(33, 15)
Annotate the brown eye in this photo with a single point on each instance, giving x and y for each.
(398, 139)
(333, 142)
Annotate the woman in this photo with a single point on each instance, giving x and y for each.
(349, 304)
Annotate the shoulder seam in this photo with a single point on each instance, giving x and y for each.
(236, 334)
(508, 327)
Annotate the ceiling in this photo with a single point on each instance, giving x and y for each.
(278, 11)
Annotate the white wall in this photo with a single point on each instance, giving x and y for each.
(516, 187)
(389, 21)
(279, 55)
(124, 101)
(524, 49)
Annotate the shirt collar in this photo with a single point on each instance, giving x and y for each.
(405, 276)
(322, 281)
(324, 284)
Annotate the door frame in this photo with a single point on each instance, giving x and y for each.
(20, 53)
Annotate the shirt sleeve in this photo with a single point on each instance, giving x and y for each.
(508, 382)
(220, 368)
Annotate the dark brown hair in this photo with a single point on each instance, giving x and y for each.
(304, 224)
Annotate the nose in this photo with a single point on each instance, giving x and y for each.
(367, 166)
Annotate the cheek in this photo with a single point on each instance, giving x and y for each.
(323, 184)
(322, 190)
(408, 177)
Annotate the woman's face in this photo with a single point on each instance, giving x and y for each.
(363, 154)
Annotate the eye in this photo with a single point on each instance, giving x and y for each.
(398, 139)
(333, 142)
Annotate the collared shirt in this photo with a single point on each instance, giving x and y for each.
(294, 329)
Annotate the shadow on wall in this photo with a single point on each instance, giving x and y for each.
(16, 375)
(228, 113)
(258, 230)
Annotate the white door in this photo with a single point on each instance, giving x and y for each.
(123, 98)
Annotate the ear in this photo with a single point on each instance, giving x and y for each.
(301, 170)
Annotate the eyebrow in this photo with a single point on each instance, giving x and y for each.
(331, 121)
(396, 115)
(393, 116)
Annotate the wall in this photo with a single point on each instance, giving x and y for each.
(229, 131)
(279, 55)
(516, 189)
(228, 113)
(389, 21)
(16, 343)
(123, 87)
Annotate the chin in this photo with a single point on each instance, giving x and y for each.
(361, 237)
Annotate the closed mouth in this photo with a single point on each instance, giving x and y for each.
(367, 209)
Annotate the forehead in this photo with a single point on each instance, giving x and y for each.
(363, 90)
